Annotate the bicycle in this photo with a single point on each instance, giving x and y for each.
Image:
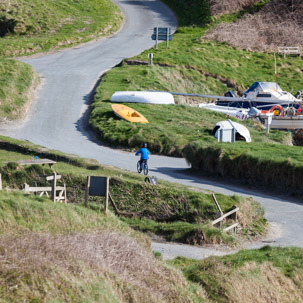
(142, 167)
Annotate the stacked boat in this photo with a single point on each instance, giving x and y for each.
(269, 102)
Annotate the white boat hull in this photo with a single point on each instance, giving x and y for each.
(241, 114)
(143, 97)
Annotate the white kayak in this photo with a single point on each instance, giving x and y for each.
(143, 97)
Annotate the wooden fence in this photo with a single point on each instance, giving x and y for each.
(232, 214)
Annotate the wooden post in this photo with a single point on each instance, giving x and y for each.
(106, 195)
(0, 181)
(54, 184)
(87, 191)
(217, 204)
(65, 193)
(113, 204)
(234, 215)
(167, 36)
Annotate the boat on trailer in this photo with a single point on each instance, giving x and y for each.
(263, 95)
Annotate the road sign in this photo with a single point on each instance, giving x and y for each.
(162, 33)
(162, 30)
(162, 37)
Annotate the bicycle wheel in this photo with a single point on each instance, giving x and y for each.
(145, 169)
(139, 169)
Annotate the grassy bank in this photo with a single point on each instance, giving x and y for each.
(39, 26)
(265, 275)
(55, 252)
(17, 83)
(167, 207)
(258, 166)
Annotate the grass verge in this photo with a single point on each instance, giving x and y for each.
(34, 27)
(17, 83)
(269, 274)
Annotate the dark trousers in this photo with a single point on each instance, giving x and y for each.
(141, 163)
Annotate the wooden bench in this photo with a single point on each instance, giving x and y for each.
(290, 50)
(58, 193)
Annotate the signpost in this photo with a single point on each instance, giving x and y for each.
(97, 186)
(150, 56)
(162, 33)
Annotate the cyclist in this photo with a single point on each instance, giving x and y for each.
(143, 151)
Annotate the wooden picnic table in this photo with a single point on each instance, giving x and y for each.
(37, 161)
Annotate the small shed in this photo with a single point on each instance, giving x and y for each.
(229, 131)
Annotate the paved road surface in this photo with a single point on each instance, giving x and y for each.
(58, 121)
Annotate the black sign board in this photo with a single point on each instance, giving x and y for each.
(97, 186)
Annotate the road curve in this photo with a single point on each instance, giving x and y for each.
(58, 117)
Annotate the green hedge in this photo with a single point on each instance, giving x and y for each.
(271, 166)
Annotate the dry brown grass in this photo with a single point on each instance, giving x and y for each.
(279, 23)
(229, 6)
(38, 265)
(261, 284)
(248, 214)
(253, 283)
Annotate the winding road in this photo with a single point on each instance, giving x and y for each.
(58, 119)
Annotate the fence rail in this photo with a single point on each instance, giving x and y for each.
(232, 213)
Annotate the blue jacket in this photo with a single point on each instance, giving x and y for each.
(144, 153)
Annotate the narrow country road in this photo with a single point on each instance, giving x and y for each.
(58, 118)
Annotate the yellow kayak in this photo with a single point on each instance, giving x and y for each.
(128, 114)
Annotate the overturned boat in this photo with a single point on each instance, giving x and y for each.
(234, 130)
(143, 97)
